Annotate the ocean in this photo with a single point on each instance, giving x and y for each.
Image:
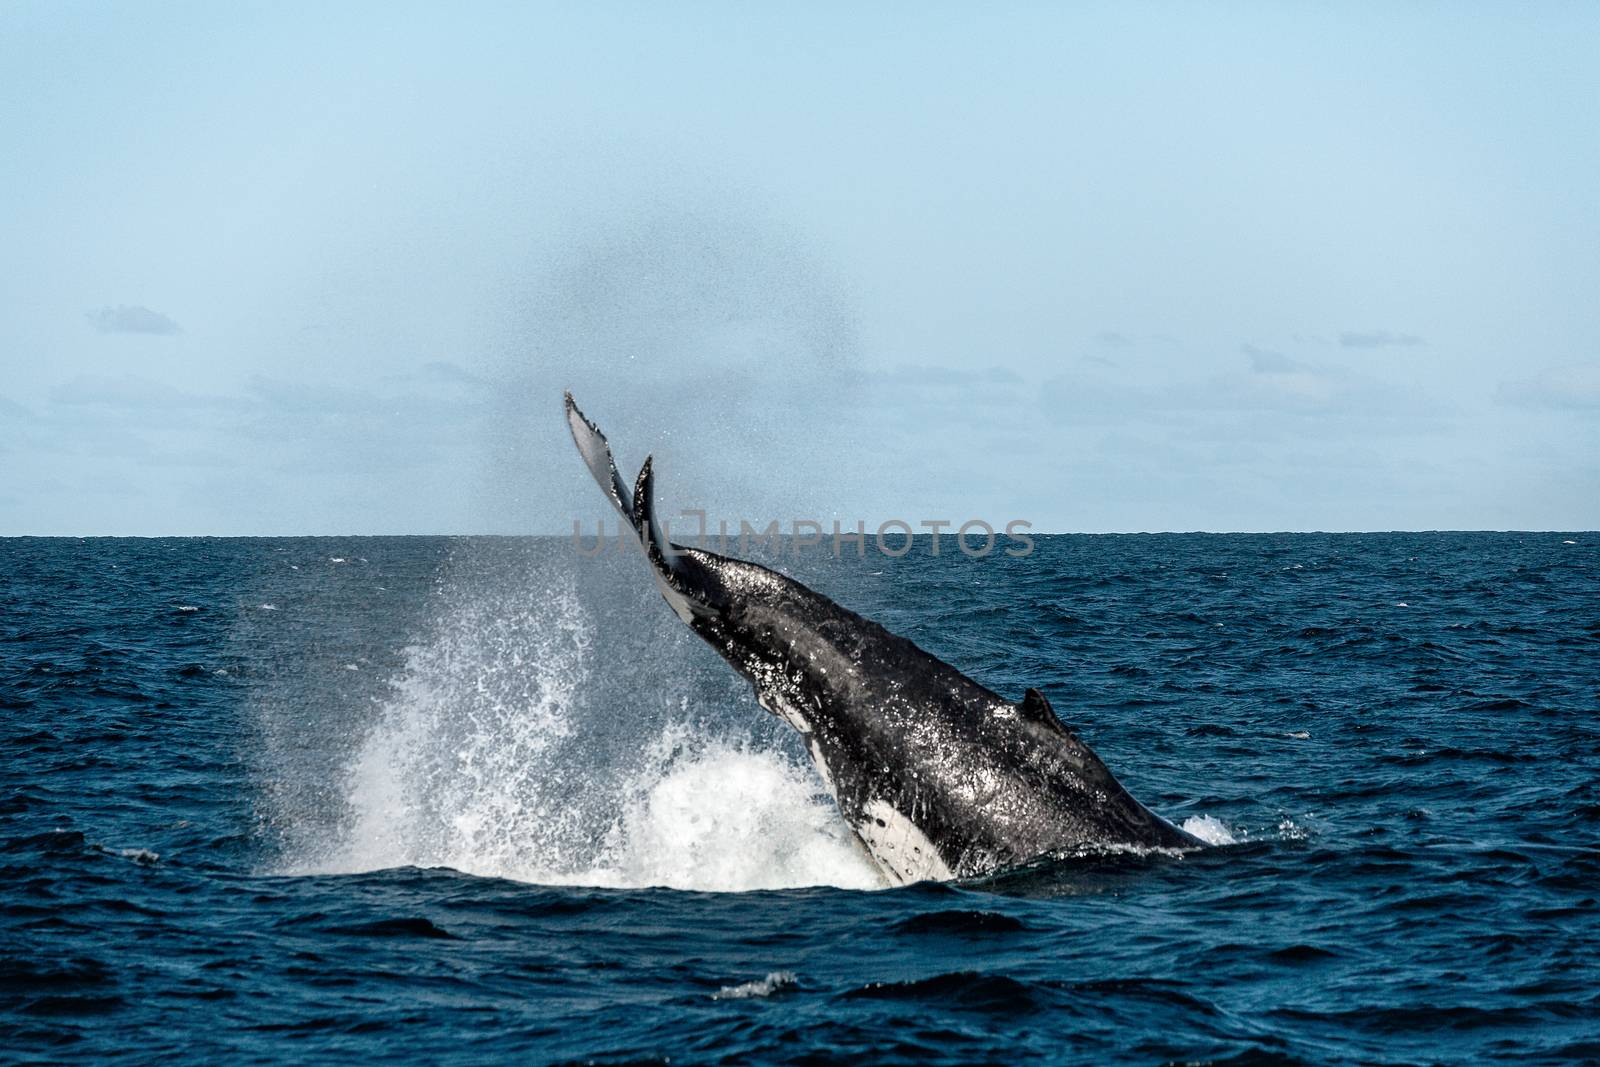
(469, 800)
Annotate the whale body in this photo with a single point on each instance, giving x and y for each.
(937, 776)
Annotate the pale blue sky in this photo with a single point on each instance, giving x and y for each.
(1167, 267)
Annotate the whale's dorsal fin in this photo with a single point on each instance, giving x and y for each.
(1035, 708)
(596, 453)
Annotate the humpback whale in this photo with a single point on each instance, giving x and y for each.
(937, 776)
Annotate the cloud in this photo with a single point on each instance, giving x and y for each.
(1379, 339)
(1117, 341)
(129, 392)
(12, 411)
(912, 393)
(391, 424)
(440, 371)
(441, 389)
(919, 374)
(136, 318)
(401, 451)
(1266, 361)
(1273, 383)
(1571, 388)
(396, 423)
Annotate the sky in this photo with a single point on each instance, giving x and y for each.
(327, 269)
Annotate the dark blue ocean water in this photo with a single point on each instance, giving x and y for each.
(340, 799)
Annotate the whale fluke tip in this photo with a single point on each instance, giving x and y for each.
(596, 453)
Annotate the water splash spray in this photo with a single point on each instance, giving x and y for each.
(504, 749)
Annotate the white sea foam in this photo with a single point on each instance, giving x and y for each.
(1211, 830)
(144, 857)
(775, 982)
(706, 814)
(498, 754)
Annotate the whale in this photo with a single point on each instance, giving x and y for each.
(938, 777)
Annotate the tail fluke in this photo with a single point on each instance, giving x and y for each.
(662, 553)
(596, 453)
(636, 505)
(682, 580)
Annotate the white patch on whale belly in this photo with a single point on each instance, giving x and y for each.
(785, 711)
(791, 715)
(901, 850)
(822, 767)
(899, 847)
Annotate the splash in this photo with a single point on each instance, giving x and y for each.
(1210, 829)
(501, 751)
(446, 777)
(705, 813)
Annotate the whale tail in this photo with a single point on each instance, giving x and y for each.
(596, 453)
(683, 582)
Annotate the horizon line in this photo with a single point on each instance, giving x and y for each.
(692, 542)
